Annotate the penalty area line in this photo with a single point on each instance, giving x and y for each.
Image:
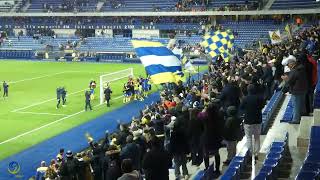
(49, 124)
(42, 102)
(39, 113)
(39, 77)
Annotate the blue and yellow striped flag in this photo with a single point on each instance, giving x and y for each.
(219, 43)
(159, 61)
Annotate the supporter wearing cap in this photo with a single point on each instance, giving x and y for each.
(41, 171)
(297, 83)
(69, 170)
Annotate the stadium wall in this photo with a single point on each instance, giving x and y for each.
(64, 32)
(137, 33)
(168, 13)
(104, 32)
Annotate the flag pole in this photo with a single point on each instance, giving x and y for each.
(198, 72)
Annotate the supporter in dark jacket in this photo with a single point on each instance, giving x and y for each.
(179, 148)
(298, 87)
(267, 79)
(313, 60)
(156, 162)
(122, 135)
(232, 132)
(158, 125)
(251, 107)
(84, 167)
(96, 164)
(128, 171)
(303, 59)
(69, 170)
(230, 95)
(195, 131)
(114, 163)
(212, 120)
(131, 151)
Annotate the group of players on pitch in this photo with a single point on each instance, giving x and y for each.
(134, 89)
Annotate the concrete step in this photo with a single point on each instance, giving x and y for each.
(304, 131)
(316, 119)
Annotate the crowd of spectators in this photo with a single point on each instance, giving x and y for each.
(236, 7)
(187, 5)
(67, 6)
(18, 21)
(200, 117)
(116, 4)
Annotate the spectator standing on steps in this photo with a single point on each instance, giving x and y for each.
(297, 83)
(88, 100)
(251, 107)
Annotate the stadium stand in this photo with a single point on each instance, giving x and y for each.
(295, 4)
(63, 6)
(183, 108)
(311, 165)
(288, 115)
(247, 33)
(142, 5)
(269, 110)
(234, 5)
(237, 166)
(139, 5)
(277, 156)
(7, 5)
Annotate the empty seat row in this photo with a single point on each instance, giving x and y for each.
(276, 156)
(288, 114)
(269, 110)
(236, 167)
(311, 166)
(16, 54)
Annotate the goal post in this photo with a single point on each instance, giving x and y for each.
(111, 77)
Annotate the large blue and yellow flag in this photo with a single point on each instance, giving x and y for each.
(219, 43)
(160, 62)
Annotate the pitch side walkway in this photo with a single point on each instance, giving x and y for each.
(73, 139)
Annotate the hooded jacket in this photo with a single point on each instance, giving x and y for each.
(134, 175)
(297, 80)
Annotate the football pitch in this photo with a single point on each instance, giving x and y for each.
(29, 115)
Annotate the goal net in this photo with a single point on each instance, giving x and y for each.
(111, 77)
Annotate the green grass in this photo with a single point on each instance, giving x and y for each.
(74, 76)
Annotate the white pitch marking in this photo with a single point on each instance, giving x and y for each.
(49, 124)
(39, 113)
(49, 75)
(39, 77)
(35, 104)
